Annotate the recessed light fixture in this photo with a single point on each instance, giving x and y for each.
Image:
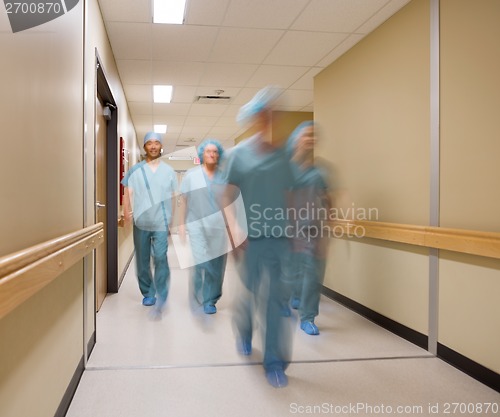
(160, 128)
(169, 11)
(180, 158)
(162, 93)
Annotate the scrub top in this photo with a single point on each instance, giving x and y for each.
(264, 178)
(203, 195)
(151, 195)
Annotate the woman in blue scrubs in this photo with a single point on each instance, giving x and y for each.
(201, 215)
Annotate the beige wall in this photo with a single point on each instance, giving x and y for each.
(98, 45)
(42, 198)
(284, 122)
(470, 175)
(47, 112)
(373, 107)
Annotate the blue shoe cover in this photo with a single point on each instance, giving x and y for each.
(309, 327)
(285, 311)
(295, 303)
(277, 378)
(149, 301)
(209, 309)
(244, 347)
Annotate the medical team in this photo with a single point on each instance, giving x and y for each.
(217, 205)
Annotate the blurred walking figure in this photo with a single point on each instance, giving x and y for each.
(262, 174)
(149, 200)
(311, 203)
(200, 214)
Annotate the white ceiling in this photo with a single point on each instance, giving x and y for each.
(238, 46)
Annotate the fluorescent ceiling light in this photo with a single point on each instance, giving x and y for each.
(169, 11)
(162, 93)
(160, 128)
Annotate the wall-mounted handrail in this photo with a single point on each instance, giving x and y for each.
(24, 273)
(472, 242)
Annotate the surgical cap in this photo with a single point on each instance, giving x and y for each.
(152, 136)
(204, 144)
(295, 135)
(264, 99)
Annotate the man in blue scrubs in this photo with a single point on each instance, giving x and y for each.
(261, 171)
(149, 200)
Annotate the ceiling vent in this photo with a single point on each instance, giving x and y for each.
(216, 99)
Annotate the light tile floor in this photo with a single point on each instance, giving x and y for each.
(186, 364)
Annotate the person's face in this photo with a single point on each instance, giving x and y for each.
(153, 149)
(307, 138)
(210, 155)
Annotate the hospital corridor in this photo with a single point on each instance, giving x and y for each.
(186, 364)
(339, 159)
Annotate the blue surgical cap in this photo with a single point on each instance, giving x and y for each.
(294, 137)
(264, 99)
(152, 136)
(204, 144)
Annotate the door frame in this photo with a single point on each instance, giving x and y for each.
(112, 179)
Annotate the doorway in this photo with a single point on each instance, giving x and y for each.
(106, 186)
(101, 278)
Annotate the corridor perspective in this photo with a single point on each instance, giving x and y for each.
(186, 365)
(397, 106)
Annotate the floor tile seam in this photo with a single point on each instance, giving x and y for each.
(232, 364)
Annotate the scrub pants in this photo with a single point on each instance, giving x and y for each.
(263, 275)
(207, 280)
(155, 244)
(308, 274)
(208, 274)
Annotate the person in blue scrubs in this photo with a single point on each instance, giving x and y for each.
(260, 170)
(200, 213)
(311, 203)
(149, 200)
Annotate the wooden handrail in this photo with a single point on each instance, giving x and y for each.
(485, 244)
(24, 273)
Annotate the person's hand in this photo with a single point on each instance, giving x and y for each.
(239, 251)
(128, 216)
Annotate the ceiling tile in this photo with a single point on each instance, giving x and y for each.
(281, 75)
(276, 14)
(298, 98)
(381, 16)
(177, 73)
(212, 110)
(135, 92)
(340, 50)
(237, 46)
(249, 46)
(169, 120)
(227, 75)
(140, 107)
(183, 94)
(194, 131)
(306, 82)
(126, 10)
(183, 43)
(134, 71)
(341, 16)
(171, 109)
(200, 121)
(208, 13)
(303, 48)
(130, 40)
